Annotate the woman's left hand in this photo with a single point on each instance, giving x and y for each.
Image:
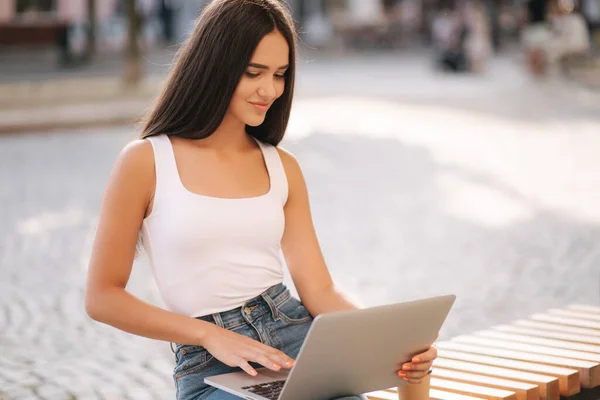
(415, 370)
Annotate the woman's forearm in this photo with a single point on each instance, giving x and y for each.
(122, 310)
(329, 300)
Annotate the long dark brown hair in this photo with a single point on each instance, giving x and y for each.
(210, 65)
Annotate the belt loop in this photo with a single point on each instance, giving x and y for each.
(218, 320)
(272, 306)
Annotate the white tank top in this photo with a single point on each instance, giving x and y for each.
(212, 254)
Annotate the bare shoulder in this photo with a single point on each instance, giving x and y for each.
(290, 162)
(126, 199)
(133, 171)
(137, 154)
(293, 172)
(136, 161)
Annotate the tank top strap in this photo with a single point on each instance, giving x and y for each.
(276, 171)
(164, 166)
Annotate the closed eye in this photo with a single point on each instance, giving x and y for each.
(257, 74)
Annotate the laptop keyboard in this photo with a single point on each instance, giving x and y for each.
(268, 390)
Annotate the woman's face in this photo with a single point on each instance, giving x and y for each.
(263, 81)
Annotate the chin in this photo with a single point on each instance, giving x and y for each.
(255, 121)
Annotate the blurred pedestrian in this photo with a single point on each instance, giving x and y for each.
(442, 29)
(536, 36)
(449, 32)
(570, 35)
(64, 44)
(166, 13)
(478, 44)
(144, 12)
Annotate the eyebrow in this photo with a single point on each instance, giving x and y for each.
(260, 66)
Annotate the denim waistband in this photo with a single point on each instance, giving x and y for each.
(266, 302)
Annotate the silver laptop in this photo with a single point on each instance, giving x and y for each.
(347, 353)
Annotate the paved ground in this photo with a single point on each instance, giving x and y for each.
(420, 184)
(407, 76)
(32, 80)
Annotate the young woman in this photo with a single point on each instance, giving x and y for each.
(216, 201)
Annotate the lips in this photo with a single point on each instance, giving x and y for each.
(260, 106)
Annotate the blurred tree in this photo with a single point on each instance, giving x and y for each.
(34, 6)
(133, 62)
(91, 33)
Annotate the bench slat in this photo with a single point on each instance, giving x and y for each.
(589, 372)
(528, 348)
(524, 391)
(532, 340)
(435, 394)
(568, 379)
(557, 327)
(574, 314)
(584, 308)
(548, 385)
(567, 321)
(470, 389)
(544, 333)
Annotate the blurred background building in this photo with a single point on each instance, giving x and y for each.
(36, 36)
(355, 23)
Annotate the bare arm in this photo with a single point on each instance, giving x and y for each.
(309, 272)
(126, 201)
(127, 197)
(302, 251)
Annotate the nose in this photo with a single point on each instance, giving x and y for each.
(267, 88)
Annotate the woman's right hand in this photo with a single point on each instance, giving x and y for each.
(237, 350)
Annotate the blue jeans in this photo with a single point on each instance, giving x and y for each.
(274, 318)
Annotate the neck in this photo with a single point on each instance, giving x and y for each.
(230, 135)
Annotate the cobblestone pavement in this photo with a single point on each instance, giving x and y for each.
(494, 197)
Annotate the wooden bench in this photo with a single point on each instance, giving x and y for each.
(549, 356)
(31, 33)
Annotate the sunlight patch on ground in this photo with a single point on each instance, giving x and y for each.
(50, 221)
(496, 149)
(481, 204)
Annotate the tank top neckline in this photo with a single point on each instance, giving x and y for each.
(184, 189)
